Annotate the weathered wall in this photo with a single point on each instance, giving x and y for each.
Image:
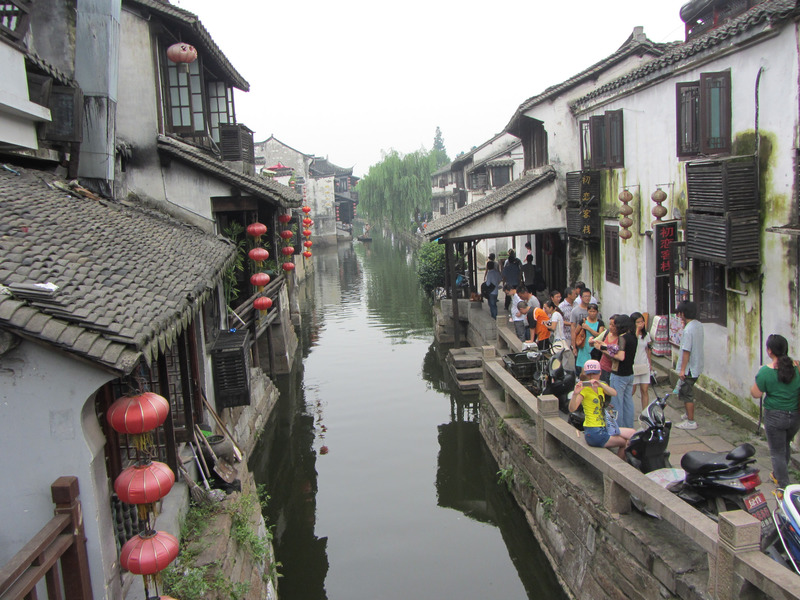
(320, 197)
(597, 555)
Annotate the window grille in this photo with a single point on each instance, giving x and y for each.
(611, 252)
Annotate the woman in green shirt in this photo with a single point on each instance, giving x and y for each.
(780, 382)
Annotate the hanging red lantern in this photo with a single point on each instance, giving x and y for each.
(307, 232)
(182, 53)
(262, 303)
(258, 254)
(308, 243)
(286, 234)
(307, 222)
(287, 250)
(307, 254)
(259, 279)
(323, 450)
(306, 209)
(148, 552)
(138, 414)
(256, 230)
(287, 266)
(284, 218)
(144, 483)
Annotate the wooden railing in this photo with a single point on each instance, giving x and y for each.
(60, 543)
(732, 545)
(257, 324)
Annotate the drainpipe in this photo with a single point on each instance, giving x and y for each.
(97, 30)
(757, 150)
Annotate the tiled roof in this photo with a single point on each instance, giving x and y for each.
(41, 64)
(322, 167)
(203, 38)
(765, 14)
(495, 160)
(634, 45)
(129, 279)
(260, 187)
(506, 194)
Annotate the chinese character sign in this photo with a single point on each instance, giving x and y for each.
(665, 234)
(590, 205)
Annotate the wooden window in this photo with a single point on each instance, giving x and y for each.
(703, 115)
(611, 251)
(709, 291)
(219, 107)
(185, 97)
(500, 176)
(477, 180)
(534, 143)
(602, 141)
(14, 19)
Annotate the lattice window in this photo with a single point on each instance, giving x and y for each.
(14, 19)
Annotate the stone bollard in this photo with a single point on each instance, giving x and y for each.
(616, 499)
(547, 408)
(739, 532)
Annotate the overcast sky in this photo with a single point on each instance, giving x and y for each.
(350, 79)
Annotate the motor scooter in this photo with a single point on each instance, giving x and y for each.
(553, 372)
(647, 448)
(787, 524)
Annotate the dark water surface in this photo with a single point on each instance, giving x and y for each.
(381, 486)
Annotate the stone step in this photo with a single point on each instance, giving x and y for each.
(464, 358)
(467, 374)
(470, 385)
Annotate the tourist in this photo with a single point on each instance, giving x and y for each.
(608, 338)
(780, 381)
(541, 325)
(577, 317)
(592, 326)
(492, 278)
(599, 427)
(528, 271)
(511, 273)
(519, 308)
(621, 358)
(558, 324)
(582, 286)
(566, 310)
(690, 360)
(642, 363)
(496, 266)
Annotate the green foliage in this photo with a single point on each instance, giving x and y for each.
(547, 506)
(189, 583)
(397, 190)
(500, 424)
(234, 233)
(431, 266)
(439, 153)
(243, 528)
(506, 476)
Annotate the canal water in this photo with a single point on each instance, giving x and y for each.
(380, 483)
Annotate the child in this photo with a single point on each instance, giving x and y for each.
(592, 393)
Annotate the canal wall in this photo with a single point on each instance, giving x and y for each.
(577, 501)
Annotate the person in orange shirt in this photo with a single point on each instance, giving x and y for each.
(541, 326)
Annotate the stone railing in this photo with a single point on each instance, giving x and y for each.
(736, 566)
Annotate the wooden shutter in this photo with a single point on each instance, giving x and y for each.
(615, 151)
(586, 145)
(598, 141)
(715, 113)
(687, 117)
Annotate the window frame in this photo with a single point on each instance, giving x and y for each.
(695, 132)
(708, 287)
(611, 253)
(225, 99)
(603, 141)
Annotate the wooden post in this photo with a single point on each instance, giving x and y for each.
(75, 561)
(169, 424)
(450, 265)
(739, 532)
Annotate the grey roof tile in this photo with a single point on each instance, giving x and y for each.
(113, 323)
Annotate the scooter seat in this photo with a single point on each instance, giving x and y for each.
(697, 462)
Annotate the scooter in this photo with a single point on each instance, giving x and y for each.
(647, 448)
(787, 524)
(553, 373)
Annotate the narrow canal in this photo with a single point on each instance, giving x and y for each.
(380, 483)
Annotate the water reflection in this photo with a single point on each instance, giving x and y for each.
(406, 503)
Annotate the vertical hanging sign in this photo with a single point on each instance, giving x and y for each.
(590, 205)
(665, 234)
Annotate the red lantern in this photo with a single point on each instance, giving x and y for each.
(149, 552)
(259, 279)
(138, 414)
(262, 303)
(182, 53)
(323, 450)
(287, 250)
(308, 243)
(307, 254)
(307, 222)
(306, 209)
(144, 484)
(307, 232)
(286, 234)
(256, 230)
(287, 266)
(258, 254)
(284, 218)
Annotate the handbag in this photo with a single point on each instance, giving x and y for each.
(486, 289)
(576, 418)
(596, 354)
(641, 369)
(580, 338)
(611, 422)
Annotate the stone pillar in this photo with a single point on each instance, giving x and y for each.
(547, 409)
(739, 532)
(488, 354)
(616, 499)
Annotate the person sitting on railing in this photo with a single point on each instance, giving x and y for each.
(599, 427)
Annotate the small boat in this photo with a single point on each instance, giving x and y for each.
(364, 238)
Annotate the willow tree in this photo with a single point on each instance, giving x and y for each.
(397, 190)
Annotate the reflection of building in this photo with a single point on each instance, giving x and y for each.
(328, 189)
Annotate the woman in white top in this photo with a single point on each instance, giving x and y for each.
(641, 363)
(557, 319)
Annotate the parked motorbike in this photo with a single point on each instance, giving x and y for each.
(787, 524)
(550, 371)
(647, 448)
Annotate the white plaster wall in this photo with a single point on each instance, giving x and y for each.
(18, 115)
(44, 422)
(733, 353)
(275, 152)
(320, 197)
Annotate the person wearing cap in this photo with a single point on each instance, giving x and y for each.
(591, 393)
